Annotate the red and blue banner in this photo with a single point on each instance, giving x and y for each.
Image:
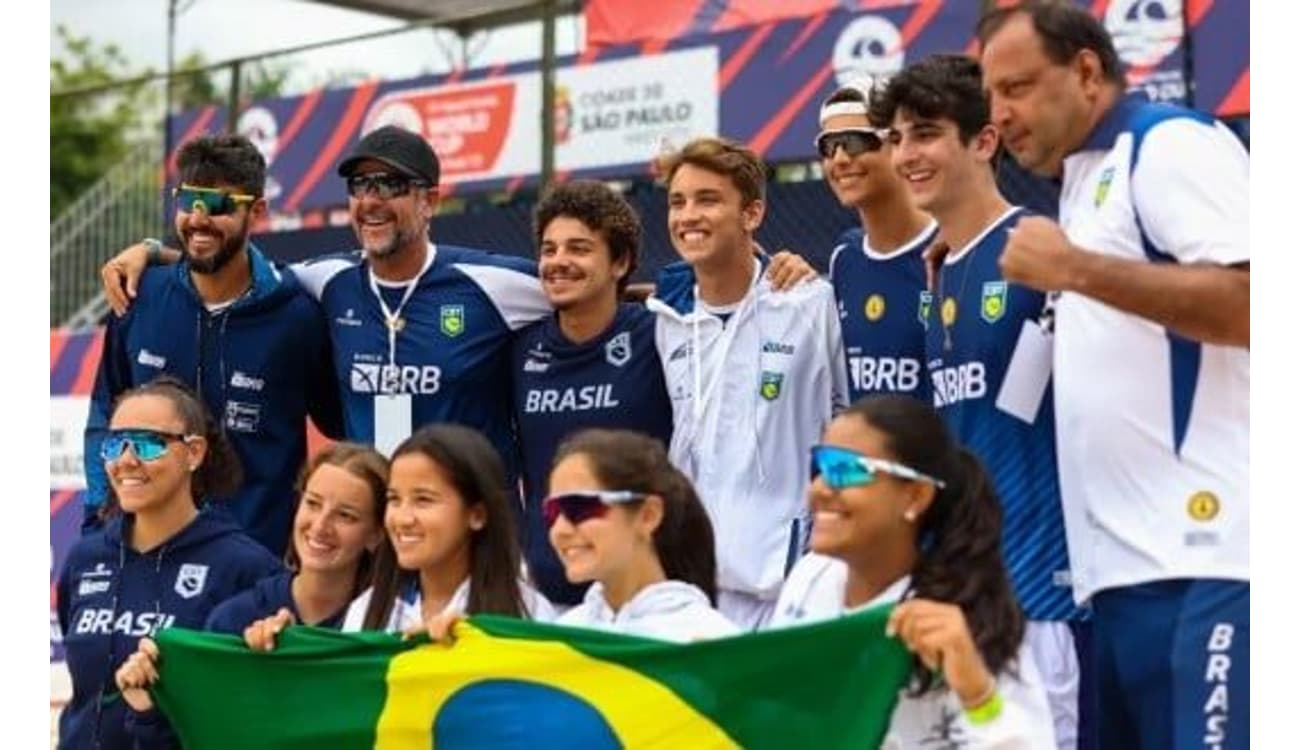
(764, 67)
(74, 357)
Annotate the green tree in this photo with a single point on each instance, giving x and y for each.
(90, 133)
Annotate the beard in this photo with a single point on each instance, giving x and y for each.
(230, 247)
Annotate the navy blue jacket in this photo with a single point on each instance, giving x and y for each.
(613, 381)
(263, 600)
(109, 596)
(261, 366)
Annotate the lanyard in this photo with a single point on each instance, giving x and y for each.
(393, 318)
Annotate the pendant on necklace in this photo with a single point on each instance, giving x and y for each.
(396, 324)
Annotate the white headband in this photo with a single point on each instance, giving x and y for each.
(835, 109)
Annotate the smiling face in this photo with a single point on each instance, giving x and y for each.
(143, 486)
(604, 548)
(858, 180)
(427, 520)
(708, 221)
(386, 226)
(335, 522)
(575, 265)
(937, 168)
(211, 242)
(865, 519)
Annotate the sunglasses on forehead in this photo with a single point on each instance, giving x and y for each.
(212, 201)
(584, 505)
(383, 184)
(147, 445)
(841, 468)
(854, 141)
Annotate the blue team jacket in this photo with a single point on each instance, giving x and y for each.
(264, 599)
(261, 366)
(109, 596)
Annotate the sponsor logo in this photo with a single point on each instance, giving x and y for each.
(349, 319)
(770, 386)
(867, 52)
(1203, 506)
(1103, 186)
(242, 417)
(958, 383)
(423, 380)
(100, 571)
(681, 352)
(948, 312)
(777, 347)
(556, 400)
(451, 320)
(874, 309)
(1145, 32)
(923, 306)
(993, 302)
(86, 588)
(247, 382)
(150, 359)
(885, 374)
(532, 365)
(618, 350)
(190, 580)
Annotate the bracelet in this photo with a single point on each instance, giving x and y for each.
(986, 710)
(153, 250)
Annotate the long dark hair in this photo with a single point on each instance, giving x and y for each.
(364, 463)
(959, 538)
(470, 463)
(220, 474)
(627, 460)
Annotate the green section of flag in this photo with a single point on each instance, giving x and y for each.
(826, 685)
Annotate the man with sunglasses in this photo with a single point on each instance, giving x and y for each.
(877, 269)
(988, 348)
(226, 322)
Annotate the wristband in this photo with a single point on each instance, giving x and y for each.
(153, 250)
(986, 711)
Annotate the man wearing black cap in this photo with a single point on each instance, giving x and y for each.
(421, 332)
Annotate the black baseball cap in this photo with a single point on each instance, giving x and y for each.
(397, 147)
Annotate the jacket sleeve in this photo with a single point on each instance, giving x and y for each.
(62, 592)
(1026, 718)
(324, 402)
(112, 377)
(151, 730)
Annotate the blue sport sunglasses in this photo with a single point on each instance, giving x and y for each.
(841, 468)
(147, 445)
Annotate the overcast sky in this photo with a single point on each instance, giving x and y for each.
(222, 29)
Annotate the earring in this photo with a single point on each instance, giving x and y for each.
(909, 515)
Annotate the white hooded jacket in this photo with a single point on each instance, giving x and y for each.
(750, 397)
(815, 591)
(406, 609)
(668, 610)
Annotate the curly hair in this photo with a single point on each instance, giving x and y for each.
(938, 87)
(602, 211)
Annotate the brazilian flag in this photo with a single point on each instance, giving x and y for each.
(508, 683)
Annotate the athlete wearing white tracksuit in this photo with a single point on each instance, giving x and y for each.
(752, 388)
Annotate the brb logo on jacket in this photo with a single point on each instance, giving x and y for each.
(372, 377)
(190, 580)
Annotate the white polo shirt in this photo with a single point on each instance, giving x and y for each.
(1153, 429)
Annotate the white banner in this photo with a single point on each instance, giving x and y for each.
(607, 114)
(67, 428)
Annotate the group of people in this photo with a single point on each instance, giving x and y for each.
(1031, 437)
